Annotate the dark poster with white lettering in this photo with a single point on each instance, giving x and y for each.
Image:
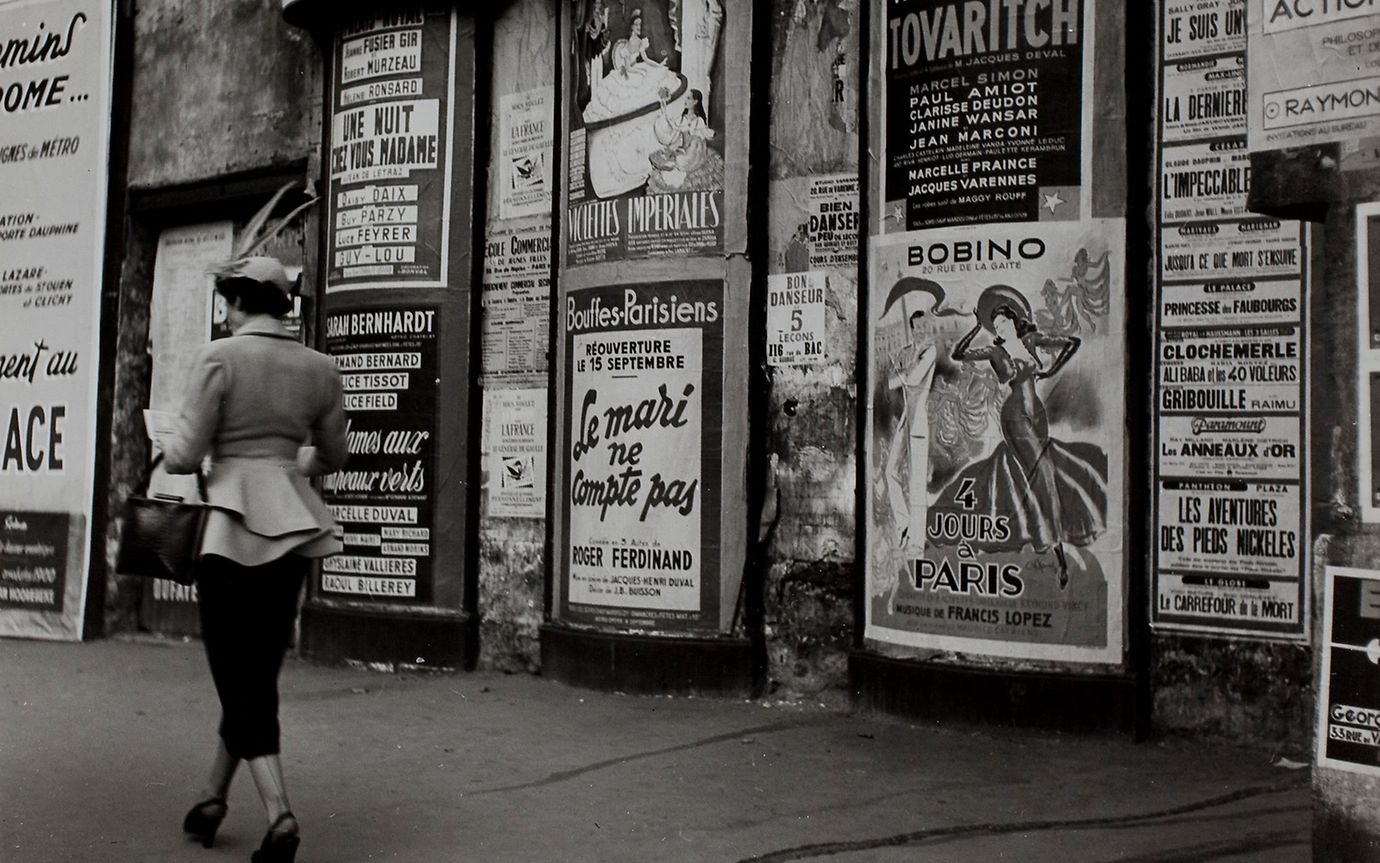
(644, 406)
(384, 498)
(1348, 698)
(389, 151)
(987, 109)
(33, 560)
(645, 111)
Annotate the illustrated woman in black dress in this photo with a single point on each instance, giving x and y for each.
(1053, 493)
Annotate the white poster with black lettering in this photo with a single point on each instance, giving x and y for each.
(54, 143)
(1231, 356)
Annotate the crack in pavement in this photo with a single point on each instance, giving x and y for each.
(563, 775)
(827, 849)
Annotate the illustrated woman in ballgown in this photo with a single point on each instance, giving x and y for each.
(686, 162)
(1053, 493)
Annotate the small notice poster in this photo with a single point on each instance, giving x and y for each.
(524, 153)
(516, 300)
(796, 319)
(987, 112)
(644, 408)
(832, 231)
(1349, 688)
(515, 444)
(384, 498)
(391, 128)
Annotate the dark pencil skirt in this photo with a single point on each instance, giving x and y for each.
(246, 624)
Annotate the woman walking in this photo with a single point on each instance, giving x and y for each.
(269, 412)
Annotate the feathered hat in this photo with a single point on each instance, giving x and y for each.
(256, 234)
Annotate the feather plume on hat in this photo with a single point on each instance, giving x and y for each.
(261, 268)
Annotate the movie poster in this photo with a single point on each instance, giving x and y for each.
(645, 116)
(987, 112)
(388, 206)
(1231, 358)
(54, 145)
(644, 408)
(384, 497)
(995, 478)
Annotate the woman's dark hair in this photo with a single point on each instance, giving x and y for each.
(696, 105)
(256, 298)
(1023, 326)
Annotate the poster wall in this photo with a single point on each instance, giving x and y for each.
(1348, 735)
(1314, 73)
(643, 397)
(1231, 355)
(390, 152)
(646, 132)
(986, 112)
(384, 498)
(54, 143)
(995, 493)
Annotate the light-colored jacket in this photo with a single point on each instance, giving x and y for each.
(253, 400)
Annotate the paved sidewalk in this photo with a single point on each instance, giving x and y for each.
(104, 745)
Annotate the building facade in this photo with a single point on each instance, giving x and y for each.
(1006, 363)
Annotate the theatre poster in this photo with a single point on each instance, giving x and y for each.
(645, 108)
(643, 401)
(995, 474)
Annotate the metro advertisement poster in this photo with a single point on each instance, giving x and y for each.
(995, 501)
(644, 407)
(54, 148)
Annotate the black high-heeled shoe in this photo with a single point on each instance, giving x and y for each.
(202, 824)
(278, 847)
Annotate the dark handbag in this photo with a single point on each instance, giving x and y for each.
(162, 535)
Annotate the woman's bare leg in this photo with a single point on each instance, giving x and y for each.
(267, 771)
(222, 772)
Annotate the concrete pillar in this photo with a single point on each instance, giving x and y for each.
(1314, 157)
(651, 348)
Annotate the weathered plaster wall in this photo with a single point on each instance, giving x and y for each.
(811, 420)
(219, 87)
(511, 550)
(1346, 819)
